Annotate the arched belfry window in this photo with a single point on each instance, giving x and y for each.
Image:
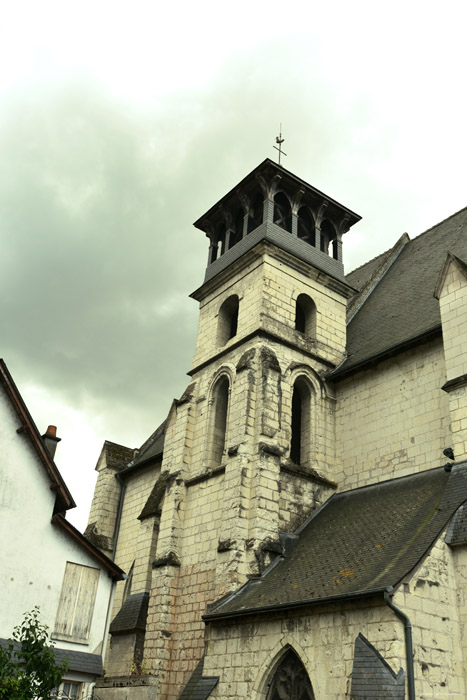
(291, 681)
(255, 217)
(237, 233)
(305, 315)
(300, 443)
(218, 246)
(220, 408)
(306, 226)
(227, 320)
(328, 238)
(282, 212)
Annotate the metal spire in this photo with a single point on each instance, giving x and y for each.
(280, 141)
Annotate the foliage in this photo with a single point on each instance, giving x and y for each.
(28, 668)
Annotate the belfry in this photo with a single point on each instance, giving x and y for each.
(295, 501)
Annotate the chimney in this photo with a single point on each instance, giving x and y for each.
(51, 440)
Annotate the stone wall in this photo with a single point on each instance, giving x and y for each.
(393, 419)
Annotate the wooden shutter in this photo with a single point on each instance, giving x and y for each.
(76, 603)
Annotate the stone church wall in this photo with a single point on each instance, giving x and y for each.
(393, 420)
(245, 653)
(129, 547)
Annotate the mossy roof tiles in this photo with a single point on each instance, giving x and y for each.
(360, 541)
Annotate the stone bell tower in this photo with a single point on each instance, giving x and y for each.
(249, 448)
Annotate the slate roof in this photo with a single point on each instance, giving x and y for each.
(132, 615)
(199, 687)
(402, 306)
(358, 542)
(152, 447)
(78, 661)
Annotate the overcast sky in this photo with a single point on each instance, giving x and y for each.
(122, 122)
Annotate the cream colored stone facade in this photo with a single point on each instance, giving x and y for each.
(224, 504)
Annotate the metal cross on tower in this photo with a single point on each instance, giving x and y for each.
(280, 141)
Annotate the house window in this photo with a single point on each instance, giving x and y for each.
(228, 320)
(220, 409)
(68, 690)
(76, 604)
(301, 423)
(305, 315)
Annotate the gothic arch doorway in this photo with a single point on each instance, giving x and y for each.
(290, 681)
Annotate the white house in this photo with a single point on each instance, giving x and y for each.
(46, 561)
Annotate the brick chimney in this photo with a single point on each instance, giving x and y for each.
(51, 440)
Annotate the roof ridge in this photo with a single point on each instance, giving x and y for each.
(451, 216)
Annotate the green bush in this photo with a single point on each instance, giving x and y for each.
(28, 668)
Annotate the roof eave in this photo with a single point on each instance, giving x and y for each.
(57, 483)
(208, 617)
(114, 571)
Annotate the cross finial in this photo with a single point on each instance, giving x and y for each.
(280, 141)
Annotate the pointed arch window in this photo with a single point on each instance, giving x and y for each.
(228, 320)
(282, 212)
(306, 226)
(291, 680)
(300, 444)
(305, 315)
(220, 408)
(255, 217)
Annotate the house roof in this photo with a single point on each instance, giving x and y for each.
(64, 499)
(360, 542)
(114, 571)
(401, 307)
(78, 661)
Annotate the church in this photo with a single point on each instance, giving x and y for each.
(295, 529)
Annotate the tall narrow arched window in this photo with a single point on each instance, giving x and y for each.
(228, 320)
(282, 212)
(291, 681)
(305, 315)
(255, 217)
(300, 443)
(306, 226)
(220, 407)
(328, 236)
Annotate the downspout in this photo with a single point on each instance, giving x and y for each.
(388, 593)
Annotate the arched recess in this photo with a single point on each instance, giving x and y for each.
(218, 419)
(301, 438)
(255, 217)
(306, 225)
(282, 212)
(227, 322)
(328, 238)
(305, 315)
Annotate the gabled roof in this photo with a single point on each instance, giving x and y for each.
(359, 543)
(64, 500)
(114, 571)
(401, 308)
